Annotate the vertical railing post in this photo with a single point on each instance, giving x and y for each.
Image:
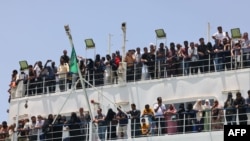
(237, 116)
(135, 68)
(93, 80)
(241, 58)
(209, 62)
(184, 123)
(183, 67)
(44, 87)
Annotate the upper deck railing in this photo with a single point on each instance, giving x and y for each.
(158, 68)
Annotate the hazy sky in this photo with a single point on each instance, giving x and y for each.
(33, 30)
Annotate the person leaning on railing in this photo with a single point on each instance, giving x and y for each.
(180, 122)
(102, 125)
(230, 110)
(240, 105)
(236, 55)
(62, 72)
(111, 121)
(245, 43)
(170, 116)
(122, 123)
(217, 116)
(159, 109)
(135, 121)
(149, 113)
(130, 59)
(145, 128)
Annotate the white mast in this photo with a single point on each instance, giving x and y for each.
(109, 44)
(124, 41)
(208, 32)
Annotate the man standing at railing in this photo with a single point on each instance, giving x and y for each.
(186, 58)
(159, 109)
(203, 53)
(123, 122)
(135, 121)
(138, 62)
(230, 110)
(245, 44)
(226, 54)
(239, 103)
(99, 119)
(85, 119)
(193, 55)
(145, 60)
(161, 59)
(33, 131)
(220, 34)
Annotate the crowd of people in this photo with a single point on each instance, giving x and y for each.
(161, 119)
(175, 60)
(154, 62)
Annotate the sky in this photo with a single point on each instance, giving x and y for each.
(34, 30)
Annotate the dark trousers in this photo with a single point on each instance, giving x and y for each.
(161, 124)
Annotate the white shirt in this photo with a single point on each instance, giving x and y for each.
(160, 110)
(38, 70)
(193, 53)
(138, 57)
(245, 43)
(40, 125)
(220, 36)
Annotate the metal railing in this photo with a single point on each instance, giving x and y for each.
(179, 123)
(136, 72)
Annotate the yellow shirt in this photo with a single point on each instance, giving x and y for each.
(63, 70)
(148, 112)
(130, 61)
(144, 128)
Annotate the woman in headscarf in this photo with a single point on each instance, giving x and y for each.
(170, 116)
(111, 124)
(48, 128)
(217, 116)
(207, 115)
(74, 127)
(198, 107)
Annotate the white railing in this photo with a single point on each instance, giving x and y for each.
(166, 125)
(159, 69)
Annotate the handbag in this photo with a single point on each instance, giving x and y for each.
(173, 117)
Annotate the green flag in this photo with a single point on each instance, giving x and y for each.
(73, 62)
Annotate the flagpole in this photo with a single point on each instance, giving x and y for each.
(67, 29)
(81, 79)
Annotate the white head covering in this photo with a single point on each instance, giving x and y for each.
(198, 105)
(207, 104)
(199, 108)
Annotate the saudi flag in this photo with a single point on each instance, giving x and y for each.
(73, 62)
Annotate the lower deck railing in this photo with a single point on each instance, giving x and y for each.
(175, 124)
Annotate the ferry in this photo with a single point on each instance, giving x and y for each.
(129, 95)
